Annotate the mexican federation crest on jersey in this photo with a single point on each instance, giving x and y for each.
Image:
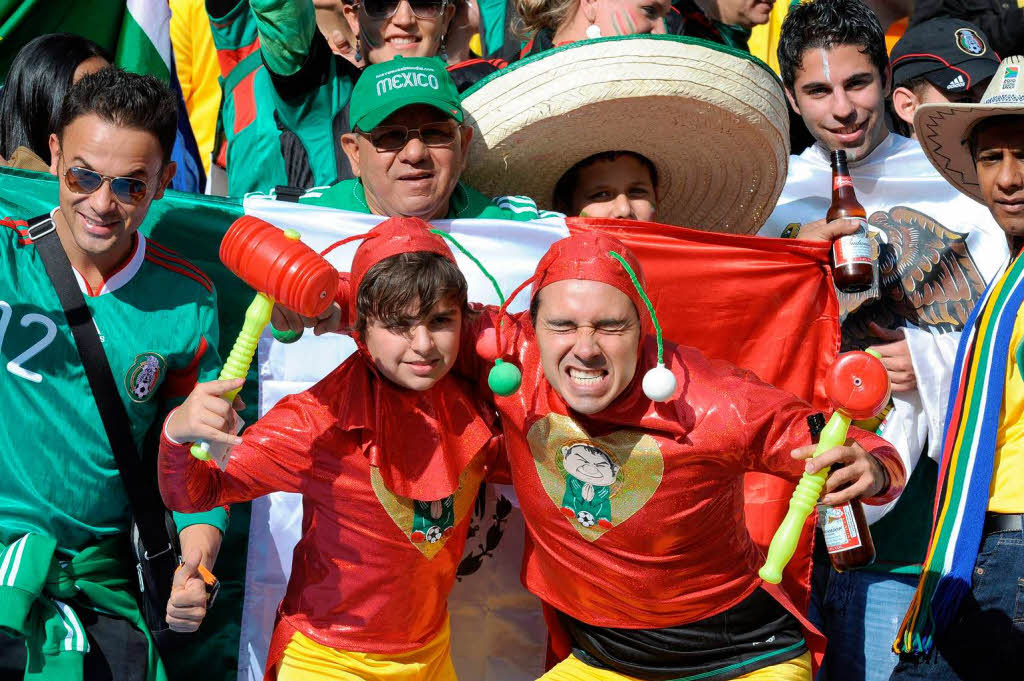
(143, 377)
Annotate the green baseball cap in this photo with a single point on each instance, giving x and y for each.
(384, 88)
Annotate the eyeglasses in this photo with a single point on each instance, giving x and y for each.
(126, 189)
(395, 137)
(421, 9)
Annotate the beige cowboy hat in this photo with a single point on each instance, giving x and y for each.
(944, 129)
(712, 120)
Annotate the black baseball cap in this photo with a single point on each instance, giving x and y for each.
(953, 55)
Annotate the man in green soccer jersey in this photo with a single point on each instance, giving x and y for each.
(67, 583)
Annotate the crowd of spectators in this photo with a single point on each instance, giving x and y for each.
(295, 99)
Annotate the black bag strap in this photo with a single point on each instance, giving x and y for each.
(143, 495)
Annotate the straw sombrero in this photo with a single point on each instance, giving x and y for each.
(712, 119)
(944, 128)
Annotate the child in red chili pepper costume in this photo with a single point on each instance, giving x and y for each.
(388, 452)
(667, 586)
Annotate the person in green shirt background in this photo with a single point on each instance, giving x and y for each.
(286, 95)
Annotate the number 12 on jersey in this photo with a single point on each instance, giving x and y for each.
(15, 366)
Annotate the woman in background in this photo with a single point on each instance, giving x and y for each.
(40, 77)
(557, 22)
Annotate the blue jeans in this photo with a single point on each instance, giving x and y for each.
(860, 612)
(986, 640)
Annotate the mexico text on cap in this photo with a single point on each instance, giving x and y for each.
(385, 88)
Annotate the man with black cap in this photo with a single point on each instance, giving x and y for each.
(940, 60)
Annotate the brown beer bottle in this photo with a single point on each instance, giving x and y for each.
(845, 527)
(853, 261)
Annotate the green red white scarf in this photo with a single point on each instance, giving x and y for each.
(968, 455)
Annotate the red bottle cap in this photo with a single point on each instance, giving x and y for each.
(857, 385)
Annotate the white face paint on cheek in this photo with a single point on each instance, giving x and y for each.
(824, 65)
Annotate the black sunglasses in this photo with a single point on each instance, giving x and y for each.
(395, 137)
(421, 9)
(125, 189)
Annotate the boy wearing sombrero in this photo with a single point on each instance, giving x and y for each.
(648, 110)
(965, 618)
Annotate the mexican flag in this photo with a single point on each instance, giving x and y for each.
(765, 304)
(135, 32)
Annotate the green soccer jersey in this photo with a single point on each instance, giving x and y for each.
(285, 95)
(157, 320)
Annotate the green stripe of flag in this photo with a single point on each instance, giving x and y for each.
(144, 43)
(137, 33)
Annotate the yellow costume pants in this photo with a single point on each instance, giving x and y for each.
(572, 669)
(307, 660)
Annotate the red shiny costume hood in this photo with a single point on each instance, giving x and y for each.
(406, 423)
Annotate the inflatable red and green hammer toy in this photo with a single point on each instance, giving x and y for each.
(858, 387)
(280, 267)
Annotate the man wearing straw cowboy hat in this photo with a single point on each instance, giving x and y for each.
(965, 619)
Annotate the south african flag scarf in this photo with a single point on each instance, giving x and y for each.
(968, 454)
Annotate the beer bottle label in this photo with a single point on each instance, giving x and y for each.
(852, 249)
(839, 526)
(841, 181)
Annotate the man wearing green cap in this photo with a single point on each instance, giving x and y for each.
(408, 147)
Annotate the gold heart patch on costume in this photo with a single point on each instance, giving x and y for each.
(429, 524)
(595, 482)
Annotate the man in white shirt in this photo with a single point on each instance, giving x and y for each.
(938, 250)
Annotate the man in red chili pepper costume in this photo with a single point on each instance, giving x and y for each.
(388, 451)
(637, 544)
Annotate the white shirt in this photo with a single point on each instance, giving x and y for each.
(896, 184)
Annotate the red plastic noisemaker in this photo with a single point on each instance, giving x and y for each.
(277, 264)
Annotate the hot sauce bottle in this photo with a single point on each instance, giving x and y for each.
(845, 527)
(853, 260)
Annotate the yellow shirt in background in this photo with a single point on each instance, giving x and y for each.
(764, 39)
(1007, 492)
(195, 59)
